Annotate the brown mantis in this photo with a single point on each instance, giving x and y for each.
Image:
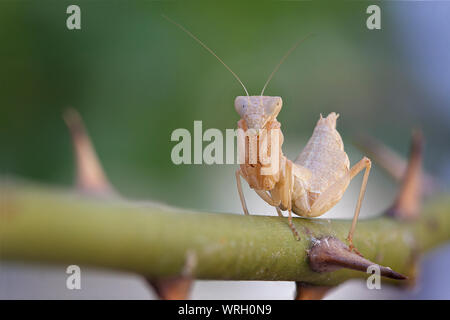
(316, 180)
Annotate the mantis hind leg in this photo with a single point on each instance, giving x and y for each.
(365, 163)
(338, 188)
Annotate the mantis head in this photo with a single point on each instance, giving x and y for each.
(258, 110)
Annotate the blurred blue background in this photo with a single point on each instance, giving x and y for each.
(134, 77)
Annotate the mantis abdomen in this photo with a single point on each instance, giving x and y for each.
(324, 155)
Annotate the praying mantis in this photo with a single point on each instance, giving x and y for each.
(318, 178)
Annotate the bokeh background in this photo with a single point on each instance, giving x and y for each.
(134, 77)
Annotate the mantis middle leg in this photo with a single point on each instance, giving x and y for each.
(267, 198)
(286, 197)
(241, 193)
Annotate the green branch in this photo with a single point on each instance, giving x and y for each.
(48, 225)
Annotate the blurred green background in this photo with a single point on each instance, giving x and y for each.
(134, 77)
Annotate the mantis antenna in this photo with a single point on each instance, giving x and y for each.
(282, 60)
(209, 50)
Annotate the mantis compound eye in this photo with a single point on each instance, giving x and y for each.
(240, 109)
(240, 106)
(273, 106)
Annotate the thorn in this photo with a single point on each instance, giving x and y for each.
(172, 289)
(179, 287)
(385, 157)
(90, 175)
(409, 199)
(391, 162)
(331, 255)
(305, 291)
